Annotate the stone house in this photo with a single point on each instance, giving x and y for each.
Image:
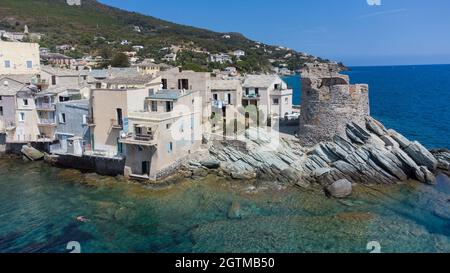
(171, 57)
(19, 58)
(58, 59)
(220, 58)
(59, 76)
(227, 117)
(46, 102)
(110, 106)
(72, 129)
(8, 90)
(177, 79)
(147, 67)
(269, 94)
(25, 128)
(160, 137)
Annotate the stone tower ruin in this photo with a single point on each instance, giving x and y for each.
(329, 102)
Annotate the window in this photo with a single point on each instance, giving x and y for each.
(85, 119)
(1, 111)
(286, 100)
(229, 98)
(169, 106)
(183, 84)
(182, 127)
(25, 102)
(275, 101)
(154, 106)
(7, 64)
(257, 91)
(22, 116)
(151, 92)
(53, 80)
(215, 97)
(247, 91)
(168, 126)
(29, 64)
(62, 118)
(98, 85)
(169, 147)
(164, 83)
(0, 97)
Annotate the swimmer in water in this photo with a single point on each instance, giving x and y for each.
(82, 219)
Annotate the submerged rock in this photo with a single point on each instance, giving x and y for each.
(339, 189)
(234, 212)
(425, 176)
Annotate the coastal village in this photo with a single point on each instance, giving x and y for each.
(142, 121)
(150, 121)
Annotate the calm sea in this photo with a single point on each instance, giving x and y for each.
(39, 204)
(413, 100)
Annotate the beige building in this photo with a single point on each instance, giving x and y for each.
(159, 138)
(269, 94)
(110, 107)
(25, 128)
(19, 58)
(176, 79)
(227, 112)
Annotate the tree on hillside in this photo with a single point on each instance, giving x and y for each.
(120, 60)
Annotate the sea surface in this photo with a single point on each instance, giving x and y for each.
(39, 204)
(414, 100)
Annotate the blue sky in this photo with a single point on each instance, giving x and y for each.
(352, 31)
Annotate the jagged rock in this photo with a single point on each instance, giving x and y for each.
(199, 172)
(421, 156)
(31, 153)
(389, 141)
(425, 176)
(234, 212)
(400, 139)
(210, 163)
(243, 175)
(375, 126)
(443, 157)
(339, 189)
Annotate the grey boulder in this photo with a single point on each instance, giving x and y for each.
(339, 189)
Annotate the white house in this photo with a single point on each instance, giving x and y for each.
(171, 57)
(220, 58)
(239, 53)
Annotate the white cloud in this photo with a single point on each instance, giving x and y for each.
(386, 12)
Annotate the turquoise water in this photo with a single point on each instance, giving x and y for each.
(39, 206)
(413, 100)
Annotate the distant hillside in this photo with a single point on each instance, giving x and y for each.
(97, 29)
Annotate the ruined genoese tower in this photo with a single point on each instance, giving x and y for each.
(329, 102)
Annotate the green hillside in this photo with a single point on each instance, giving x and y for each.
(97, 29)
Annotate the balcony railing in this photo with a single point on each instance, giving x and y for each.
(45, 106)
(139, 139)
(251, 96)
(44, 121)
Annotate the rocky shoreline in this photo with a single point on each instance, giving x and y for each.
(369, 155)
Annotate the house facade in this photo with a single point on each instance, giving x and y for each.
(270, 96)
(177, 79)
(72, 130)
(19, 58)
(110, 107)
(168, 131)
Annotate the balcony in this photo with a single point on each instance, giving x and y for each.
(139, 139)
(45, 106)
(46, 122)
(251, 96)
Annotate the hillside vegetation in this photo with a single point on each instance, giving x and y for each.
(97, 29)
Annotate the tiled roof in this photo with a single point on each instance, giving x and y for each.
(11, 88)
(60, 71)
(140, 79)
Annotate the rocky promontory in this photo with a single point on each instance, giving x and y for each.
(338, 143)
(368, 155)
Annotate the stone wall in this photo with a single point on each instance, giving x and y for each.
(100, 165)
(329, 102)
